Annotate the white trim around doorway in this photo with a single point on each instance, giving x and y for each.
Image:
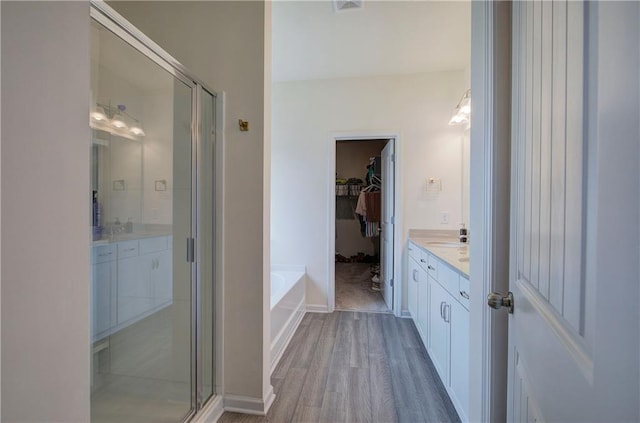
(398, 210)
(489, 207)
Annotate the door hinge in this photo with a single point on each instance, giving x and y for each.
(393, 157)
(393, 220)
(191, 250)
(391, 283)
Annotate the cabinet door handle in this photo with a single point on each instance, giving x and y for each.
(430, 267)
(464, 294)
(442, 303)
(104, 254)
(447, 312)
(415, 273)
(126, 250)
(422, 261)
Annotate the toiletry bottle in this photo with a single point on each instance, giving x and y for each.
(128, 227)
(463, 233)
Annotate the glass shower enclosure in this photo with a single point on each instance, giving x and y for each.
(151, 200)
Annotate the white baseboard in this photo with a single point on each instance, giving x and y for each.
(279, 344)
(211, 412)
(269, 399)
(317, 308)
(249, 405)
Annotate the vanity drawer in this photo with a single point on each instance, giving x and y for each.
(153, 245)
(464, 289)
(414, 251)
(103, 253)
(432, 266)
(423, 260)
(449, 279)
(127, 249)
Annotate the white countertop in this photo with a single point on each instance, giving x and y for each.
(140, 234)
(454, 256)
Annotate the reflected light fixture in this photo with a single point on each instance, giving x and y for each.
(116, 121)
(462, 112)
(118, 118)
(98, 114)
(136, 129)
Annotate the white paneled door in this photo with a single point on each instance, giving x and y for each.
(556, 372)
(387, 217)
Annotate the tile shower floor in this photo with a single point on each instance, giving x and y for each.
(353, 289)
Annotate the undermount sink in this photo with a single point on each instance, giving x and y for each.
(449, 244)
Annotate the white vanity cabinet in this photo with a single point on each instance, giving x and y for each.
(418, 291)
(441, 297)
(440, 331)
(133, 296)
(157, 262)
(413, 281)
(130, 280)
(103, 290)
(144, 278)
(459, 364)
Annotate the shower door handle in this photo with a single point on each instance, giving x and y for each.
(191, 250)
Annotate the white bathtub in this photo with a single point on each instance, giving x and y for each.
(287, 307)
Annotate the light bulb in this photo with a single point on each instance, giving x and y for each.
(136, 130)
(98, 114)
(118, 122)
(457, 119)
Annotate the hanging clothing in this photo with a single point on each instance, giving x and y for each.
(372, 204)
(361, 207)
(372, 229)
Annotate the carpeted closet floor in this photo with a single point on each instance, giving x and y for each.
(353, 289)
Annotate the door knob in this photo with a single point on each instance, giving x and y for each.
(497, 301)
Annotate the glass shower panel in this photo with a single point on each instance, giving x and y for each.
(141, 201)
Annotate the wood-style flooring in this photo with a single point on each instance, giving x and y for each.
(353, 289)
(355, 367)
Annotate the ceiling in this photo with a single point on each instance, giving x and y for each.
(311, 41)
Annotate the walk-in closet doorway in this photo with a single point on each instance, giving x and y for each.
(363, 220)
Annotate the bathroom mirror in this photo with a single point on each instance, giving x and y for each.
(466, 170)
(117, 179)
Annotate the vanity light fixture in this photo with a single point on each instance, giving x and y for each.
(116, 121)
(462, 112)
(98, 114)
(136, 129)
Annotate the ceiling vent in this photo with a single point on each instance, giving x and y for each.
(343, 5)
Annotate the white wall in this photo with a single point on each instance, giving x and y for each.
(305, 113)
(45, 213)
(157, 153)
(222, 43)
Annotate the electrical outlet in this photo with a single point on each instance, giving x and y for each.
(444, 218)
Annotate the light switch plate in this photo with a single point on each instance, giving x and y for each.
(444, 218)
